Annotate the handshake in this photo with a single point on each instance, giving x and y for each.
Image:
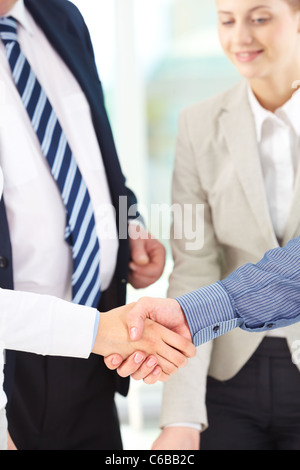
(149, 339)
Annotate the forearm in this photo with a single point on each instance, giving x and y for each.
(184, 396)
(45, 325)
(254, 297)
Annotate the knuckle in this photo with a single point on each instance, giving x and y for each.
(183, 362)
(170, 368)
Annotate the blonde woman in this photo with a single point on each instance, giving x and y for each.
(238, 154)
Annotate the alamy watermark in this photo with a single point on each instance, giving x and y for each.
(164, 221)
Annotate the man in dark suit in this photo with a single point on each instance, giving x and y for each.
(58, 403)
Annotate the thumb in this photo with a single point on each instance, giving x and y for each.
(139, 253)
(135, 320)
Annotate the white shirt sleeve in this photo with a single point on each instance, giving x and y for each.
(45, 325)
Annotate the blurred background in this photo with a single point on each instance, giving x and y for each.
(155, 58)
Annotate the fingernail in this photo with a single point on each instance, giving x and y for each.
(143, 259)
(115, 361)
(133, 332)
(151, 362)
(138, 358)
(156, 371)
(132, 267)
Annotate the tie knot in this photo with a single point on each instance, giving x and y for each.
(8, 30)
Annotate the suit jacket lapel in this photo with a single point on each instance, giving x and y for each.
(58, 30)
(239, 131)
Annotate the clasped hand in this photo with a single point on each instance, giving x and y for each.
(148, 340)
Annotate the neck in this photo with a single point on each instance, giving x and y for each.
(6, 6)
(274, 93)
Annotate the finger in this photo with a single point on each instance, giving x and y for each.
(135, 320)
(156, 254)
(164, 342)
(148, 273)
(139, 253)
(169, 358)
(146, 368)
(155, 376)
(141, 280)
(185, 346)
(131, 364)
(113, 361)
(171, 367)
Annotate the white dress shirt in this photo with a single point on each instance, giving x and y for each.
(35, 211)
(278, 138)
(42, 260)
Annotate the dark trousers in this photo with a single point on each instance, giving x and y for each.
(259, 409)
(63, 404)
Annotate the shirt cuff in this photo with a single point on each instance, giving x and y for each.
(96, 326)
(209, 313)
(197, 426)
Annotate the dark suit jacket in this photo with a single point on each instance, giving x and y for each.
(63, 25)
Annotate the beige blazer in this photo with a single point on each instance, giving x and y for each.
(217, 164)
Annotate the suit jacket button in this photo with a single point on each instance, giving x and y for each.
(3, 262)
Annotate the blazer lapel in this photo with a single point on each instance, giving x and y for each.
(239, 131)
(59, 31)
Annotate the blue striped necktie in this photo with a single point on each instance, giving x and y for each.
(80, 230)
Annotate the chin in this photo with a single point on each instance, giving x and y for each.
(248, 72)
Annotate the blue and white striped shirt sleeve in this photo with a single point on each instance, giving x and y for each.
(255, 298)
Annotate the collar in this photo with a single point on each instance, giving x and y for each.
(19, 12)
(289, 113)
